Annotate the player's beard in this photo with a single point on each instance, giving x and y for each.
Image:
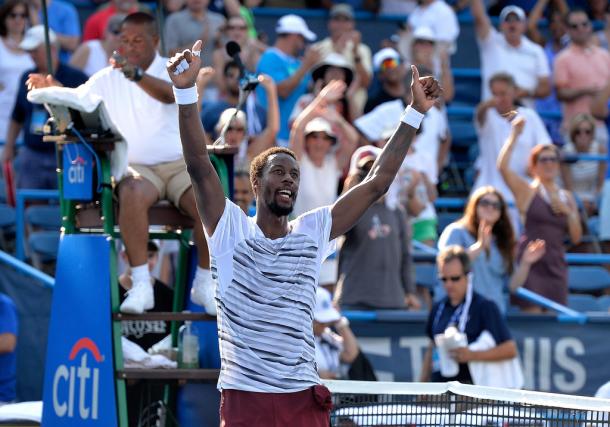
(279, 210)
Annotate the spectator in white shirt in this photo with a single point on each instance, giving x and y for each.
(510, 51)
(440, 18)
(493, 124)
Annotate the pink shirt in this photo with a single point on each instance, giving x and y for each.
(578, 68)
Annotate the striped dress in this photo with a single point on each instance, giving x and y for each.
(265, 297)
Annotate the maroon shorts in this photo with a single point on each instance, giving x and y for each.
(307, 408)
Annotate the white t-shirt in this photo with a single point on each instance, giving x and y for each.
(12, 66)
(440, 18)
(328, 352)
(492, 136)
(150, 127)
(266, 294)
(97, 59)
(318, 185)
(526, 63)
(427, 143)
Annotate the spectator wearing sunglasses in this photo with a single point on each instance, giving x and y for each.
(470, 313)
(581, 70)
(486, 232)
(236, 30)
(549, 213)
(584, 178)
(93, 55)
(390, 73)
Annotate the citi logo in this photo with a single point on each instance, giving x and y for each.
(76, 173)
(78, 378)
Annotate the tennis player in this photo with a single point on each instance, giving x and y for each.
(267, 267)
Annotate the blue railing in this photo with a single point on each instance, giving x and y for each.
(21, 198)
(27, 269)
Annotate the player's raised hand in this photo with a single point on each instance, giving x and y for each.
(183, 67)
(424, 91)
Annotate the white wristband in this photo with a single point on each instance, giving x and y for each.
(186, 96)
(412, 117)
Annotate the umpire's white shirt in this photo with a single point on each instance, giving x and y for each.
(150, 127)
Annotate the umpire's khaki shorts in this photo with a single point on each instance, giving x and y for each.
(170, 179)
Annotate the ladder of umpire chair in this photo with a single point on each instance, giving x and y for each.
(99, 218)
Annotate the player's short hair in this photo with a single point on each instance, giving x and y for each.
(452, 252)
(504, 78)
(142, 18)
(260, 161)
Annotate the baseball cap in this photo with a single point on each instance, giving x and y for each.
(34, 37)
(337, 60)
(325, 312)
(342, 9)
(512, 9)
(293, 24)
(424, 33)
(320, 125)
(384, 54)
(362, 156)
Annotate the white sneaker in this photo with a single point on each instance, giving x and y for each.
(139, 298)
(203, 293)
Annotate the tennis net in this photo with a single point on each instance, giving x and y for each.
(378, 404)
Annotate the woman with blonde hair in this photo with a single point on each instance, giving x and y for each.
(548, 212)
(583, 177)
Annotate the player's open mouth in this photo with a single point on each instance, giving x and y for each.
(285, 195)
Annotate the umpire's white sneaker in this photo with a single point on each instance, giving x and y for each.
(204, 290)
(139, 299)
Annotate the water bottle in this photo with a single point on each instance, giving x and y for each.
(188, 347)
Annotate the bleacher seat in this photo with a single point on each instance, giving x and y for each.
(426, 275)
(43, 247)
(446, 218)
(603, 302)
(7, 224)
(43, 217)
(582, 302)
(588, 278)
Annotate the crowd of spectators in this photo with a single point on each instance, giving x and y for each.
(333, 101)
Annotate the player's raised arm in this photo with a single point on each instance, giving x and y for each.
(183, 69)
(349, 208)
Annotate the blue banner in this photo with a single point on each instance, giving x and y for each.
(79, 386)
(556, 357)
(78, 172)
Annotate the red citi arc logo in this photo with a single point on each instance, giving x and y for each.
(78, 378)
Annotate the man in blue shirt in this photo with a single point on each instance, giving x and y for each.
(470, 314)
(8, 343)
(64, 21)
(290, 73)
(35, 165)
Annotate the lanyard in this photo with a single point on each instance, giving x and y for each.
(454, 317)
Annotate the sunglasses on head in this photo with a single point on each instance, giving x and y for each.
(548, 159)
(453, 279)
(576, 25)
(389, 63)
(490, 204)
